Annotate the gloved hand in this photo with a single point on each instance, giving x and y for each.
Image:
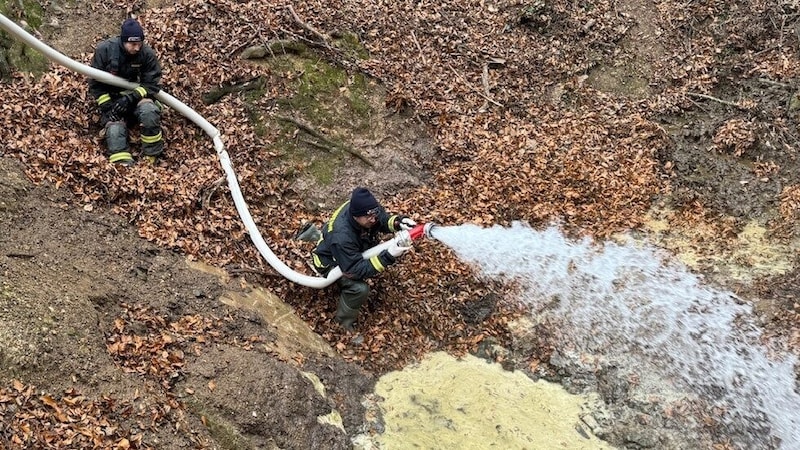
(406, 223)
(106, 112)
(397, 250)
(120, 107)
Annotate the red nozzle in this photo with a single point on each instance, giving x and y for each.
(422, 230)
(417, 232)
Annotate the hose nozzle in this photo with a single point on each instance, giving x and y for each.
(422, 230)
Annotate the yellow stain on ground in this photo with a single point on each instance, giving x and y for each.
(708, 245)
(447, 403)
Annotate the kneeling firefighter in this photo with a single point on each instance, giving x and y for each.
(355, 227)
(129, 57)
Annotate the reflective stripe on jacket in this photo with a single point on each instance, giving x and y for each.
(142, 68)
(344, 240)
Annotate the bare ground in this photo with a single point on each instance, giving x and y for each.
(76, 283)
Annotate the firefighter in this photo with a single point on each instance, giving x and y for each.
(129, 57)
(355, 227)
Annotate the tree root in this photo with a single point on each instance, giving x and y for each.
(274, 47)
(214, 95)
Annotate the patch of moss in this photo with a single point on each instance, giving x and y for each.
(327, 97)
(30, 10)
(321, 87)
(351, 46)
(318, 163)
(13, 53)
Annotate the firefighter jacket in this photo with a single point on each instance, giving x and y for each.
(142, 68)
(344, 240)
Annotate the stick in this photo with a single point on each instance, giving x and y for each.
(310, 130)
(774, 83)
(21, 255)
(485, 83)
(307, 128)
(307, 27)
(476, 90)
(207, 197)
(238, 270)
(318, 145)
(715, 99)
(419, 49)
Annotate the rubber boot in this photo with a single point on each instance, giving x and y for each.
(346, 316)
(353, 295)
(309, 233)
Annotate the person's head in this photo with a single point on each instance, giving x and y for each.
(364, 208)
(132, 36)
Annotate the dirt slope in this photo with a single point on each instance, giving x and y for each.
(90, 307)
(600, 116)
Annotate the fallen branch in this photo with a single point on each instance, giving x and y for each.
(318, 145)
(21, 255)
(214, 95)
(485, 83)
(715, 99)
(307, 128)
(324, 38)
(240, 270)
(491, 100)
(210, 191)
(314, 133)
(274, 47)
(774, 83)
(419, 49)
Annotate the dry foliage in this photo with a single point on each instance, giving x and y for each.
(480, 75)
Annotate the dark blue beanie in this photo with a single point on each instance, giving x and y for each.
(131, 31)
(362, 201)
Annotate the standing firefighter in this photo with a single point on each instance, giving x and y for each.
(355, 227)
(128, 57)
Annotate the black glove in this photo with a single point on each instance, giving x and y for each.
(120, 107)
(405, 222)
(107, 112)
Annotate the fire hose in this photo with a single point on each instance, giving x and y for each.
(233, 183)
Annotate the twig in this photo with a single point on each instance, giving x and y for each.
(207, 197)
(774, 83)
(476, 90)
(318, 145)
(263, 41)
(238, 270)
(310, 42)
(308, 27)
(715, 99)
(485, 83)
(307, 128)
(419, 49)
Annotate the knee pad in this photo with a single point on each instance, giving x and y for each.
(116, 136)
(149, 114)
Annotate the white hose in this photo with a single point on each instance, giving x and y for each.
(224, 159)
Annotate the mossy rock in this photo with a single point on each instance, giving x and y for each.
(15, 55)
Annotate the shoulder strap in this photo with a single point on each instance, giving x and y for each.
(114, 57)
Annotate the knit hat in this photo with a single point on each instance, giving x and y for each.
(362, 202)
(131, 31)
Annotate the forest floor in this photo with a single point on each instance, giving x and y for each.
(635, 115)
